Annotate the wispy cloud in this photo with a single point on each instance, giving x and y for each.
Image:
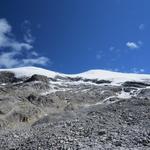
(137, 70)
(132, 45)
(99, 55)
(39, 61)
(111, 54)
(142, 27)
(26, 27)
(111, 48)
(11, 49)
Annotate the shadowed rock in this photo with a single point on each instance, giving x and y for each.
(38, 78)
(97, 81)
(7, 77)
(135, 84)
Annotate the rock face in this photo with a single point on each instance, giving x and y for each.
(71, 113)
(38, 78)
(7, 77)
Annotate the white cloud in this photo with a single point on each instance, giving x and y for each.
(8, 60)
(132, 45)
(142, 70)
(11, 50)
(4, 26)
(141, 27)
(33, 53)
(35, 61)
(6, 39)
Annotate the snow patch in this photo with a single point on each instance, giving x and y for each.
(3, 84)
(124, 95)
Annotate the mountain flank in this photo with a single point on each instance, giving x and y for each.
(94, 110)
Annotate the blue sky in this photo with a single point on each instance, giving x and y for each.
(73, 36)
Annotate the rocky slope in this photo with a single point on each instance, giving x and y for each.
(44, 110)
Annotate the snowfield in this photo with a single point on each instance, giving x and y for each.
(115, 77)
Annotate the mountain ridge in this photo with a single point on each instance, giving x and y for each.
(114, 77)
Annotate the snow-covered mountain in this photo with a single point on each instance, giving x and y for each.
(97, 109)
